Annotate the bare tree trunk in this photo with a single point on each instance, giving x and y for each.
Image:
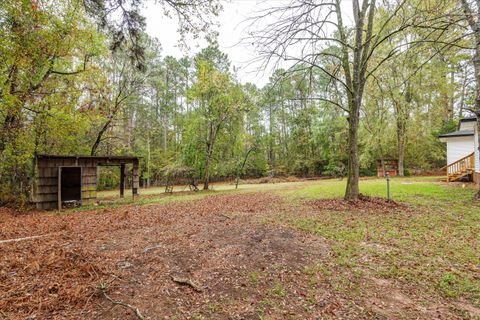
(165, 114)
(356, 84)
(284, 132)
(401, 157)
(206, 180)
(462, 94)
(473, 18)
(9, 129)
(355, 80)
(12, 120)
(451, 102)
(210, 144)
(476, 62)
(352, 190)
(477, 196)
(165, 132)
(149, 157)
(271, 152)
(401, 124)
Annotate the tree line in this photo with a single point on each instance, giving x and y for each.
(74, 81)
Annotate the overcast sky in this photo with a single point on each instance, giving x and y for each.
(231, 32)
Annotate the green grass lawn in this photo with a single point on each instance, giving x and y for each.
(427, 191)
(435, 244)
(402, 189)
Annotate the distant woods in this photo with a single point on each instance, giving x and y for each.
(384, 88)
(350, 56)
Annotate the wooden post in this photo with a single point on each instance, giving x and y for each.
(135, 179)
(122, 180)
(388, 186)
(33, 184)
(59, 191)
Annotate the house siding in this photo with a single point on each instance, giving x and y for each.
(477, 155)
(469, 125)
(459, 147)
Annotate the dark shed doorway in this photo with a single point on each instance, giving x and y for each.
(70, 183)
(75, 177)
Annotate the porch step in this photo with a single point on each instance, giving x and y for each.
(459, 175)
(461, 168)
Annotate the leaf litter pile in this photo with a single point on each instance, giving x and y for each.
(363, 204)
(213, 258)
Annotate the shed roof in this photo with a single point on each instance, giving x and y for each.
(55, 156)
(387, 159)
(460, 133)
(467, 119)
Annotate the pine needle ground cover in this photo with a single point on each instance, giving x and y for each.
(265, 251)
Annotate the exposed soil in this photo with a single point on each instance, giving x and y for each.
(230, 266)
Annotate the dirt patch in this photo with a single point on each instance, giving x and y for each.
(237, 264)
(363, 204)
(386, 299)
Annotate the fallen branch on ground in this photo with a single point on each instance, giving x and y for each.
(25, 238)
(225, 216)
(188, 282)
(103, 288)
(152, 248)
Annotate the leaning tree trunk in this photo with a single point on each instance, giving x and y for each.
(240, 169)
(99, 137)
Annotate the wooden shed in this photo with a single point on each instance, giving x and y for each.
(73, 179)
(385, 166)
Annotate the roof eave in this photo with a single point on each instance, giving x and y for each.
(446, 136)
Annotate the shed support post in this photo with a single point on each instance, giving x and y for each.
(135, 179)
(122, 180)
(59, 190)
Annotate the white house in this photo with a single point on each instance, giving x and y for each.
(462, 151)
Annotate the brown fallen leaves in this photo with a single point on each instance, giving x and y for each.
(56, 276)
(363, 204)
(211, 258)
(45, 277)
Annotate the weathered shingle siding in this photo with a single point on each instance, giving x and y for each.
(45, 193)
